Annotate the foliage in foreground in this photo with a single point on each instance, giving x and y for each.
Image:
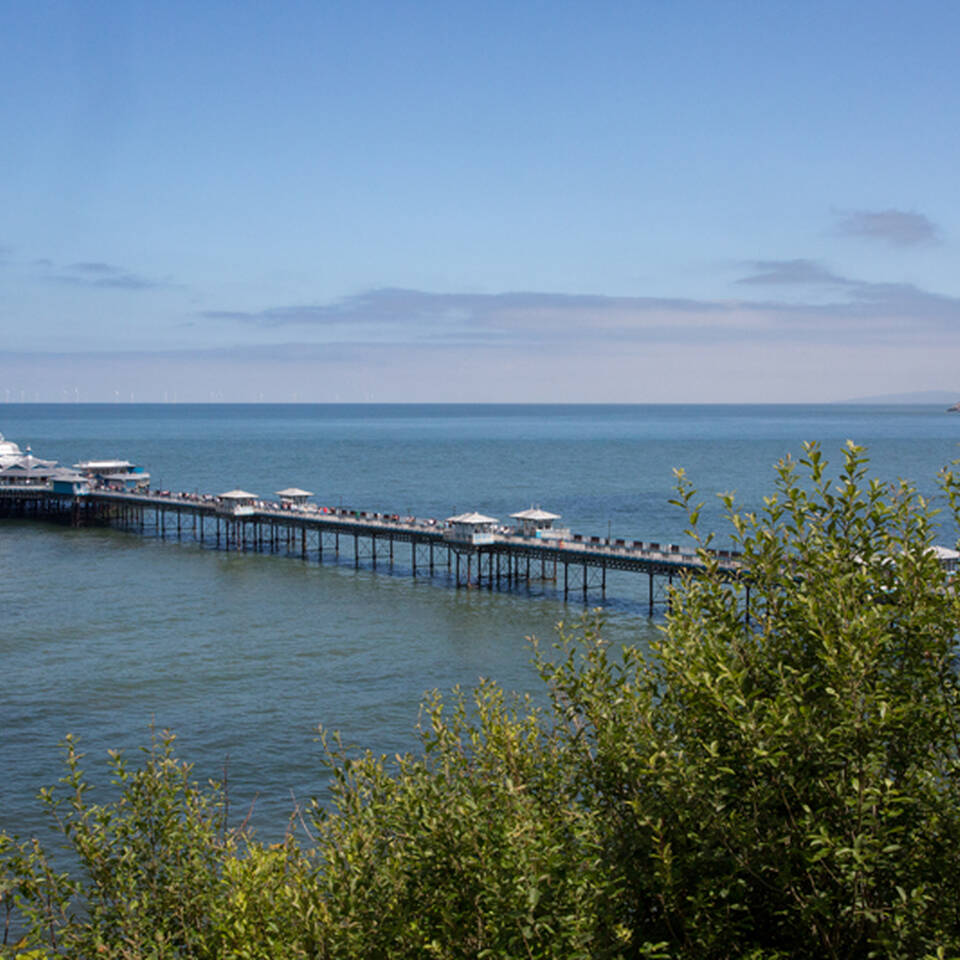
(783, 784)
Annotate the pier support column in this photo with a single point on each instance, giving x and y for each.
(566, 584)
(651, 593)
(356, 552)
(413, 557)
(584, 583)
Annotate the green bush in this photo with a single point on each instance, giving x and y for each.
(778, 777)
(786, 783)
(476, 848)
(148, 863)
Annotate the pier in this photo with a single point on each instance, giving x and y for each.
(469, 550)
(474, 551)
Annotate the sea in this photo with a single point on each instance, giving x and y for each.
(108, 635)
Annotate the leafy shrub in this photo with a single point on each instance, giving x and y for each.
(786, 782)
(476, 848)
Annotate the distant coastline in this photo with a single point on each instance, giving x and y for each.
(917, 397)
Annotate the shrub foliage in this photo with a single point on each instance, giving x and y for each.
(777, 777)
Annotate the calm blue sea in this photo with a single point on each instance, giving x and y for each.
(103, 633)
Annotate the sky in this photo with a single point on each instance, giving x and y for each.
(723, 201)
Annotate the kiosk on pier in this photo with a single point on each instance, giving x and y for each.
(536, 522)
(471, 528)
(236, 503)
(294, 496)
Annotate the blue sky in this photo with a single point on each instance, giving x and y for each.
(693, 201)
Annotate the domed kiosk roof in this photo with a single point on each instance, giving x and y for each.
(8, 448)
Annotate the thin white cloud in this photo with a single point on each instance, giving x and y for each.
(852, 308)
(95, 267)
(899, 228)
(95, 274)
(860, 299)
(511, 318)
(393, 305)
(800, 272)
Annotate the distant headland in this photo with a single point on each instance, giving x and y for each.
(917, 397)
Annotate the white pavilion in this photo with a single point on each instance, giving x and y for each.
(236, 503)
(474, 528)
(294, 496)
(537, 522)
(23, 469)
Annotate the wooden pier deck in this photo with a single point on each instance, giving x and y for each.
(575, 564)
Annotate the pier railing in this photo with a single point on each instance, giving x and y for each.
(574, 543)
